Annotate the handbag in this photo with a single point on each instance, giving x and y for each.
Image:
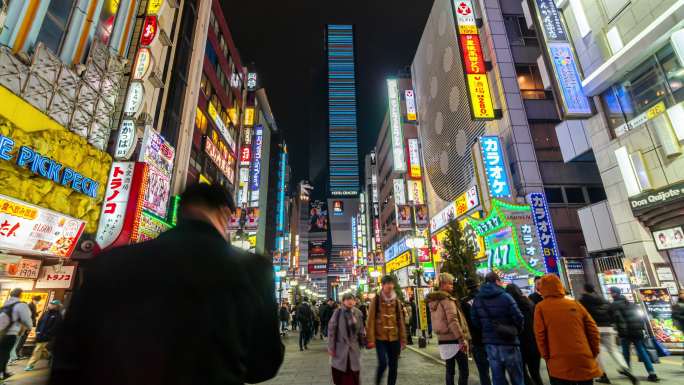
(503, 330)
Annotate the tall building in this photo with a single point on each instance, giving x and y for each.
(343, 158)
(631, 54)
(489, 141)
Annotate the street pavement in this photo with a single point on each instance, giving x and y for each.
(416, 367)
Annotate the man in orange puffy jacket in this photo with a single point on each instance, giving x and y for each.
(566, 335)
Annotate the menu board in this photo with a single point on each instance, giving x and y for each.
(658, 304)
(30, 229)
(616, 278)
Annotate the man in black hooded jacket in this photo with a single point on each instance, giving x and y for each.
(185, 308)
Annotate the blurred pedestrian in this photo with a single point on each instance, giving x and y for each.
(19, 345)
(477, 348)
(498, 316)
(528, 345)
(599, 309)
(284, 316)
(567, 336)
(326, 313)
(451, 328)
(305, 320)
(631, 329)
(316, 320)
(407, 322)
(210, 318)
(678, 311)
(45, 332)
(346, 334)
(536, 296)
(414, 317)
(17, 315)
(386, 330)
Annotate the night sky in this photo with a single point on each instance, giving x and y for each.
(284, 39)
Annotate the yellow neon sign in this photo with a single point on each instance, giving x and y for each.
(249, 116)
(153, 6)
(480, 97)
(399, 262)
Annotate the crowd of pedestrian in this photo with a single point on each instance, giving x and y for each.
(506, 333)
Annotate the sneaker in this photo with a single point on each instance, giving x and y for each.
(630, 376)
(28, 368)
(653, 377)
(604, 379)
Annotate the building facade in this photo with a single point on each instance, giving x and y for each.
(630, 53)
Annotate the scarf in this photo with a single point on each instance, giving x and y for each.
(350, 322)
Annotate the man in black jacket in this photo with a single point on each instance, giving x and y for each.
(477, 347)
(631, 330)
(536, 297)
(185, 308)
(45, 332)
(599, 309)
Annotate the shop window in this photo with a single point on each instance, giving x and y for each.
(596, 194)
(201, 121)
(673, 70)
(211, 54)
(517, 31)
(575, 195)
(54, 25)
(530, 81)
(545, 142)
(554, 195)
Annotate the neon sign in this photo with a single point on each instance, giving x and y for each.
(149, 31)
(395, 125)
(495, 167)
(547, 237)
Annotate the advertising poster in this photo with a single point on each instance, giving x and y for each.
(150, 227)
(234, 221)
(159, 156)
(318, 220)
(422, 219)
(318, 260)
(157, 192)
(14, 266)
(669, 238)
(404, 220)
(34, 230)
(252, 219)
(658, 304)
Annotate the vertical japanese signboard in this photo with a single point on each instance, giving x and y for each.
(255, 173)
(414, 159)
(122, 204)
(481, 105)
(410, 97)
(561, 59)
(397, 134)
(547, 237)
(495, 167)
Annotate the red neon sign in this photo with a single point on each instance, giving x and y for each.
(472, 54)
(245, 154)
(149, 31)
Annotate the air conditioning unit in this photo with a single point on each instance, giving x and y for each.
(156, 78)
(164, 38)
(174, 3)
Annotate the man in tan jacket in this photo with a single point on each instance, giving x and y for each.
(386, 330)
(451, 328)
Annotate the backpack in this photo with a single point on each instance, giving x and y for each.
(6, 319)
(304, 313)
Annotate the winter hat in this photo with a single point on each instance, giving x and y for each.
(56, 302)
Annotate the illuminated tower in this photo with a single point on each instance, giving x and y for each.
(342, 130)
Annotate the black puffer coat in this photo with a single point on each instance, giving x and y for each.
(598, 307)
(630, 324)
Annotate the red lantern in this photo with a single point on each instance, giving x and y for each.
(149, 31)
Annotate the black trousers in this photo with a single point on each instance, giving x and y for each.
(6, 345)
(304, 335)
(531, 364)
(558, 381)
(388, 355)
(462, 360)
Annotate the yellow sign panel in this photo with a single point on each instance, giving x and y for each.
(415, 191)
(480, 96)
(249, 116)
(411, 116)
(27, 126)
(467, 29)
(422, 309)
(153, 6)
(439, 237)
(399, 262)
(655, 110)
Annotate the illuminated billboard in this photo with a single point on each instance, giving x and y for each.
(410, 105)
(481, 106)
(495, 167)
(395, 126)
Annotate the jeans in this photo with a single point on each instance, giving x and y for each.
(388, 355)
(480, 357)
(462, 360)
(640, 350)
(283, 326)
(609, 350)
(505, 359)
(6, 344)
(558, 381)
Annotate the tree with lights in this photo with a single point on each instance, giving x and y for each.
(459, 259)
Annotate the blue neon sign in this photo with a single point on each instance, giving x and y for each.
(547, 237)
(28, 158)
(255, 174)
(568, 79)
(495, 167)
